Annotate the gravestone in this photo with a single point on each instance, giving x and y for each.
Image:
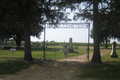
(119, 46)
(70, 50)
(65, 49)
(113, 52)
(37, 46)
(42, 45)
(12, 50)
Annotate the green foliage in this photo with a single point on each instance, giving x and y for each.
(108, 17)
(27, 17)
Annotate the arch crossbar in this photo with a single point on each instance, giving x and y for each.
(67, 25)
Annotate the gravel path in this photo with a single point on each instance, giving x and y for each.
(65, 69)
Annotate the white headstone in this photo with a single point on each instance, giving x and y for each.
(113, 53)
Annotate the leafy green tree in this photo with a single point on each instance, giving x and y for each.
(106, 23)
(96, 54)
(114, 18)
(89, 11)
(86, 11)
(109, 21)
(29, 15)
(104, 34)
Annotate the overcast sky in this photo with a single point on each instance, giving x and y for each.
(61, 35)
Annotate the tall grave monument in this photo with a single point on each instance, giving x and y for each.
(70, 49)
(113, 53)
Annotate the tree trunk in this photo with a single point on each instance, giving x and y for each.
(2, 41)
(96, 55)
(18, 43)
(106, 41)
(18, 39)
(5, 42)
(27, 55)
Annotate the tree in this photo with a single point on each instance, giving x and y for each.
(114, 18)
(87, 13)
(96, 54)
(36, 12)
(26, 14)
(30, 14)
(102, 17)
(109, 21)
(104, 34)
(18, 34)
(107, 11)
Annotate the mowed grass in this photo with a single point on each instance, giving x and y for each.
(105, 71)
(12, 65)
(108, 70)
(51, 52)
(7, 53)
(108, 58)
(57, 52)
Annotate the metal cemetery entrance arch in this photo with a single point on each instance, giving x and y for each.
(66, 25)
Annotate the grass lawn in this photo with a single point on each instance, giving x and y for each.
(57, 52)
(108, 58)
(108, 70)
(7, 53)
(51, 53)
(105, 71)
(12, 66)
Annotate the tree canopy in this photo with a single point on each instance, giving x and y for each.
(108, 16)
(105, 17)
(27, 17)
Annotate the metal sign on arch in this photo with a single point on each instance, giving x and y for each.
(67, 25)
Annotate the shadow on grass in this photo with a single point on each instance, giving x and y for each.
(13, 66)
(109, 70)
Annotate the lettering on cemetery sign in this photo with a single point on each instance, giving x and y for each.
(67, 25)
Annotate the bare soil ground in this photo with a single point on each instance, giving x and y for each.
(65, 69)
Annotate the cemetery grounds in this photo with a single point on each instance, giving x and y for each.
(14, 68)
